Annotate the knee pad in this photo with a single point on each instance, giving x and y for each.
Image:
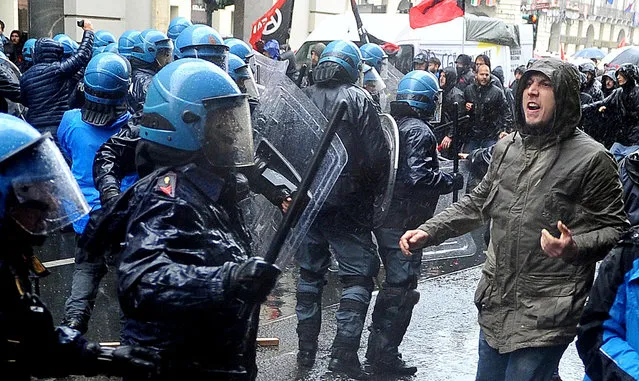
(349, 281)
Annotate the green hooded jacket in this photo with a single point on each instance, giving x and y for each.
(526, 298)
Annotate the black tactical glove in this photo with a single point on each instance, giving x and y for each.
(128, 361)
(108, 195)
(253, 280)
(458, 181)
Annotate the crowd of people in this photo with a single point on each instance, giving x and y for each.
(145, 144)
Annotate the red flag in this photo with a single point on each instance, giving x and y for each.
(275, 23)
(623, 42)
(430, 12)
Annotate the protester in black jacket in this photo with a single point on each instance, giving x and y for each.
(465, 75)
(489, 111)
(451, 94)
(45, 88)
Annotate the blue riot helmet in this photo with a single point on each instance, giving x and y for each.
(126, 42)
(153, 46)
(106, 83)
(68, 44)
(176, 26)
(27, 49)
(371, 80)
(345, 54)
(181, 113)
(420, 90)
(101, 39)
(111, 48)
(373, 55)
(37, 189)
(240, 49)
(202, 41)
(272, 47)
(243, 76)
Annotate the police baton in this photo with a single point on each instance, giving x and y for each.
(300, 199)
(448, 124)
(455, 146)
(301, 75)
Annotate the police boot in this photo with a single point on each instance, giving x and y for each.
(391, 317)
(347, 362)
(78, 323)
(309, 317)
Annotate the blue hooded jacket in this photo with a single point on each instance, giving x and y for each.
(80, 141)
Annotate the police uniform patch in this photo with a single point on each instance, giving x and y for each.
(166, 184)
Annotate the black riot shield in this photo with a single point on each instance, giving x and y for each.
(393, 76)
(292, 125)
(385, 191)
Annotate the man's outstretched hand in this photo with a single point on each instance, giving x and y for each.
(413, 240)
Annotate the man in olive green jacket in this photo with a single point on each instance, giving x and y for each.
(546, 180)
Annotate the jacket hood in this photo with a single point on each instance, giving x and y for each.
(499, 73)
(565, 83)
(451, 77)
(47, 50)
(609, 74)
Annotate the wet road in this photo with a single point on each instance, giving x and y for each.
(441, 340)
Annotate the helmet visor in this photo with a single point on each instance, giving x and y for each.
(246, 83)
(228, 140)
(384, 69)
(47, 196)
(373, 82)
(164, 56)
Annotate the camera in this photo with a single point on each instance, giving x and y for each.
(80, 23)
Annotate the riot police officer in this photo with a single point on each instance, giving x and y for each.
(417, 188)
(373, 55)
(345, 221)
(151, 52)
(38, 195)
(202, 41)
(186, 275)
(126, 42)
(176, 26)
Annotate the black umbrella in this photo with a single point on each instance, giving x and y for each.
(630, 55)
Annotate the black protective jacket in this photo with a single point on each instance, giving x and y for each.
(181, 234)
(29, 343)
(466, 79)
(629, 175)
(141, 75)
(490, 114)
(451, 95)
(9, 88)
(45, 88)
(622, 113)
(115, 159)
(368, 163)
(419, 181)
(594, 90)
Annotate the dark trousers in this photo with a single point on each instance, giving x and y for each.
(528, 364)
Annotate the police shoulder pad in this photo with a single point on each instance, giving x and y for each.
(166, 184)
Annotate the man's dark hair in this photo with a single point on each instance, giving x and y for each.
(520, 69)
(435, 61)
(1, 25)
(485, 58)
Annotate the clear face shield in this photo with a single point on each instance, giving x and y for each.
(373, 82)
(384, 69)
(47, 197)
(228, 132)
(246, 82)
(164, 54)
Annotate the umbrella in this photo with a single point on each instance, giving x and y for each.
(595, 53)
(630, 55)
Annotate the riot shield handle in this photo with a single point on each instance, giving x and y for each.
(455, 145)
(299, 199)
